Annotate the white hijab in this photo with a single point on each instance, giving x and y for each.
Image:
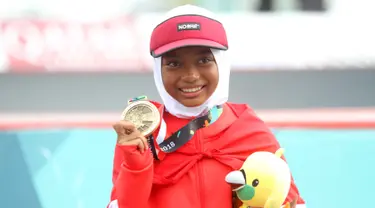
(220, 96)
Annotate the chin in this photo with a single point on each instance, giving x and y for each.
(191, 103)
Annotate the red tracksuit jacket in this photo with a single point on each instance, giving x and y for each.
(194, 175)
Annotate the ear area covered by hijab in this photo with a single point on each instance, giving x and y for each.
(219, 97)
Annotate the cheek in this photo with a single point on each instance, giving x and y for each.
(213, 78)
(163, 77)
(168, 81)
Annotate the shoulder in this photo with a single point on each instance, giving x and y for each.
(248, 132)
(245, 115)
(241, 110)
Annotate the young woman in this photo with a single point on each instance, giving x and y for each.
(191, 73)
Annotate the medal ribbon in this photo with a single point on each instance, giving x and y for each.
(183, 135)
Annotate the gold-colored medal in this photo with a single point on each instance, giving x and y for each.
(144, 115)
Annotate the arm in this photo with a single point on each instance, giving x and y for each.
(132, 177)
(269, 143)
(266, 141)
(293, 199)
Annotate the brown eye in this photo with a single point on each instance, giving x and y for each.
(173, 64)
(204, 60)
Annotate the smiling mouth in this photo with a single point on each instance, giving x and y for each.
(192, 89)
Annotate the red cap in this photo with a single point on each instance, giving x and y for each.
(187, 26)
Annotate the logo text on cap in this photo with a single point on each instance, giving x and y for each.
(188, 26)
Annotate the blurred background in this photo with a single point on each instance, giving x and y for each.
(68, 67)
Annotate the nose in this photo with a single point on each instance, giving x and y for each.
(191, 74)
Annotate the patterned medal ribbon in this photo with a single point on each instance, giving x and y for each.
(183, 135)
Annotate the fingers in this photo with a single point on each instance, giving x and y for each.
(127, 134)
(124, 127)
(140, 142)
(141, 145)
(144, 145)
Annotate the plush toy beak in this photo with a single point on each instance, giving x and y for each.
(236, 179)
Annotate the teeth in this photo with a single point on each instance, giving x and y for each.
(191, 89)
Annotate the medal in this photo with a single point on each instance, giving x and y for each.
(143, 114)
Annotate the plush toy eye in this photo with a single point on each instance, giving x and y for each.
(255, 182)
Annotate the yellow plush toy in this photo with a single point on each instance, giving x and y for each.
(263, 180)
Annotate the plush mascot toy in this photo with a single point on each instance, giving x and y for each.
(263, 180)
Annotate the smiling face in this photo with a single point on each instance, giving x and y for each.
(190, 75)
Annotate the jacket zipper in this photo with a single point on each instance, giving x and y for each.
(200, 171)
